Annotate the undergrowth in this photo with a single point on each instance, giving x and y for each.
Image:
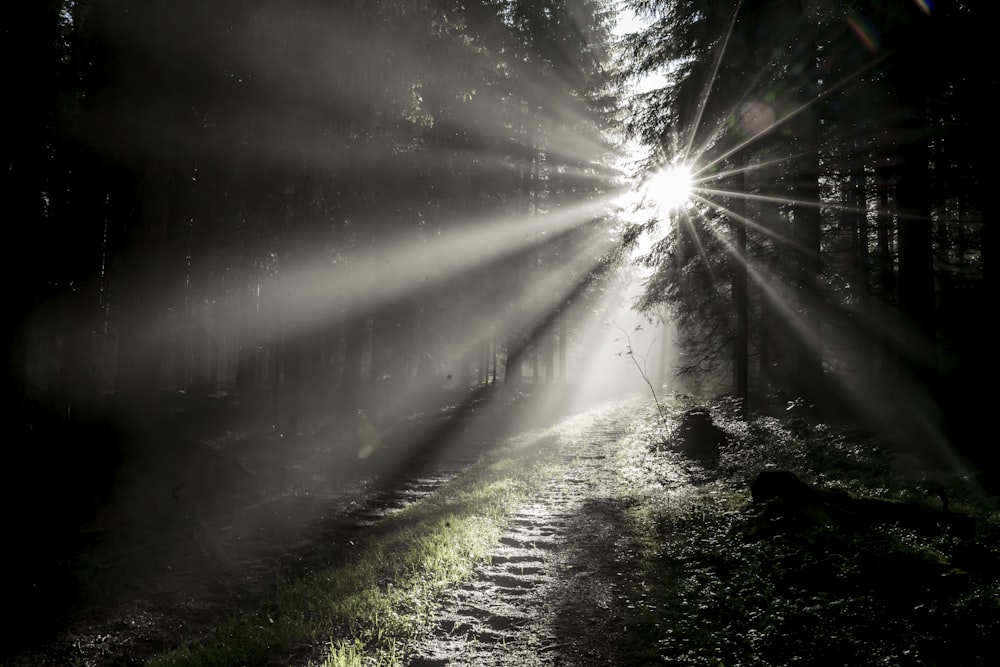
(705, 587)
(711, 591)
(364, 611)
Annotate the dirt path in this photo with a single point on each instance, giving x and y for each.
(554, 587)
(552, 593)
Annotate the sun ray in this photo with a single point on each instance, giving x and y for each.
(697, 179)
(911, 416)
(742, 219)
(710, 84)
(905, 418)
(788, 116)
(702, 251)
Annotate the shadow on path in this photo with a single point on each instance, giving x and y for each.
(557, 585)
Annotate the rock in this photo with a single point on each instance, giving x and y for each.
(772, 484)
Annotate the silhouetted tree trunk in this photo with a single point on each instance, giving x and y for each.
(562, 347)
(516, 349)
(140, 280)
(914, 78)
(249, 340)
(807, 231)
(349, 389)
(916, 252)
(741, 304)
(549, 348)
(30, 50)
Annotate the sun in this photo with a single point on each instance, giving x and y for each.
(670, 188)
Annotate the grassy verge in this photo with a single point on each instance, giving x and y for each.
(710, 591)
(365, 610)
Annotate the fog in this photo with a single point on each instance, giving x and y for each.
(282, 254)
(269, 255)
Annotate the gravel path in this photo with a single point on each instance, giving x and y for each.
(556, 582)
(552, 592)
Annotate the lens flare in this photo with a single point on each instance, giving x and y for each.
(670, 188)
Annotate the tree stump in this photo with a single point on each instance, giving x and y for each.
(698, 437)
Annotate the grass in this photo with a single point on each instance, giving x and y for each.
(365, 610)
(702, 586)
(708, 591)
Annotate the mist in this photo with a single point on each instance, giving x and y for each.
(279, 255)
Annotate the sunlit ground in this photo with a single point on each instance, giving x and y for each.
(370, 592)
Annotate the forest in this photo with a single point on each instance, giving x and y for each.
(323, 217)
(839, 253)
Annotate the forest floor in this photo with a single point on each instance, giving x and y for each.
(625, 551)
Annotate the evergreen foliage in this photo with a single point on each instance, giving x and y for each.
(827, 140)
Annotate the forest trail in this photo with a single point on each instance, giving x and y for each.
(550, 592)
(554, 586)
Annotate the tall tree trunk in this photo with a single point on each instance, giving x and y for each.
(30, 54)
(248, 340)
(349, 389)
(562, 348)
(140, 283)
(549, 348)
(665, 364)
(513, 375)
(741, 305)
(885, 268)
(916, 257)
(291, 352)
(807, 234)
(483, 365)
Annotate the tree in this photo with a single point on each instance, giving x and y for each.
(853, 133)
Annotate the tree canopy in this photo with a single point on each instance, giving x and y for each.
(837, 250)
(299, 197)
(331, 206)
